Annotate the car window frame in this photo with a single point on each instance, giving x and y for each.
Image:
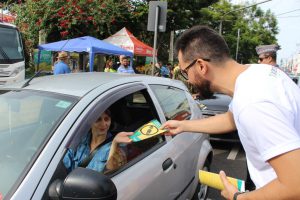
(177, 88)
(100, 107)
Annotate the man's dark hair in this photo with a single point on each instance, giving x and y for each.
(115, 66)
(202, 42)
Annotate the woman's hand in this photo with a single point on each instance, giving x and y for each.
(173, 126)
(123, 137)
(117, 157)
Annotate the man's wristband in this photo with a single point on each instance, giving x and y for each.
(236, 194)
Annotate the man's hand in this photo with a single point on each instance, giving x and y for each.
(173, 126)
(229, 189)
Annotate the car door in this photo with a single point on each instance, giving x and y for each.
(177, 105)
(149, 176)
(168, 171)
(145, 176)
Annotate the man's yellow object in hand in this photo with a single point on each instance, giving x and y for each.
(213, 180)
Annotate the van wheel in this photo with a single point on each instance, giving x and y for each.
(201, 192)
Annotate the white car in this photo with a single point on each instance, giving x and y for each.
(44, 117)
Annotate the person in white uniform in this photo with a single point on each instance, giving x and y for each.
(267, 54)
(265, 109)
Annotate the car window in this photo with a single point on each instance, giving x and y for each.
(137, 98)
(128, 113)
(173, 102)
(27, 119)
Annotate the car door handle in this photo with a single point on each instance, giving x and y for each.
(167, 163)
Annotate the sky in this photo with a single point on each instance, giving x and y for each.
(287, 13)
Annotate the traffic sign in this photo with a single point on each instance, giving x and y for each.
(162, 15)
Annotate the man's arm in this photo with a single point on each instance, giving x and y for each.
(286, 185)
(218, 124)
(277, 142)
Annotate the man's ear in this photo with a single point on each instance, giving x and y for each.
(270, 59)
(202, 67)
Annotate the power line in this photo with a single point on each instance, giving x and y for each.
(289, 16)
(287, 12)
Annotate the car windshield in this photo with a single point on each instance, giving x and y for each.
(27, 120)
(11, 50)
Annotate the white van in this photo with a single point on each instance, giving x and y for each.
(12, 63)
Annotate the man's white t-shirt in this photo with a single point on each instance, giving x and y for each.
(266, 111)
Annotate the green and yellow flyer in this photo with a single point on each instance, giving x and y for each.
(147, 131)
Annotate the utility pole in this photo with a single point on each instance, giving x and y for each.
(157, 9)
(223, 16)
(157, 19)
(171, 52)
(237, 45)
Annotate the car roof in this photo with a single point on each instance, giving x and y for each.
(79, 84)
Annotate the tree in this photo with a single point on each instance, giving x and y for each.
(180, 15)
(256, 27)
(63, 19)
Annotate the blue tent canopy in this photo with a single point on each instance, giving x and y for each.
(87, 44)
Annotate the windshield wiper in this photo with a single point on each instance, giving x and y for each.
(35, 75)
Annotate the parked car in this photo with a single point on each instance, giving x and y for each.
(46, 116)
(218, 104)
(296, 79)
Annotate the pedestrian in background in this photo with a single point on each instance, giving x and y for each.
(109, 66)
(157, 70)
(267, 54)
(124, 66)
(61, 66)
(164, 71)
(170, 67)
(265, 109)
(176, 72)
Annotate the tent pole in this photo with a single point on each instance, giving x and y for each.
(92, 55)
(131, 61)
(38, 61)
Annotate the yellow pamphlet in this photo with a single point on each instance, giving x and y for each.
(147, 131)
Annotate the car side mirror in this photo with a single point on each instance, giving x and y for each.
(83, 183)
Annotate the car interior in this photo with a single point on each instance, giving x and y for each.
(130, 113)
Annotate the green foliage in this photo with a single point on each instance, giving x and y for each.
(256, 27)
(180, 15)
(63, 19)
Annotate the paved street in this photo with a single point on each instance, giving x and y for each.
(229, 157)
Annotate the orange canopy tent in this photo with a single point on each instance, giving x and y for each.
(126, 40)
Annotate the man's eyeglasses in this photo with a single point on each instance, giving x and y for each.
(262, 58)
(184, 72)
